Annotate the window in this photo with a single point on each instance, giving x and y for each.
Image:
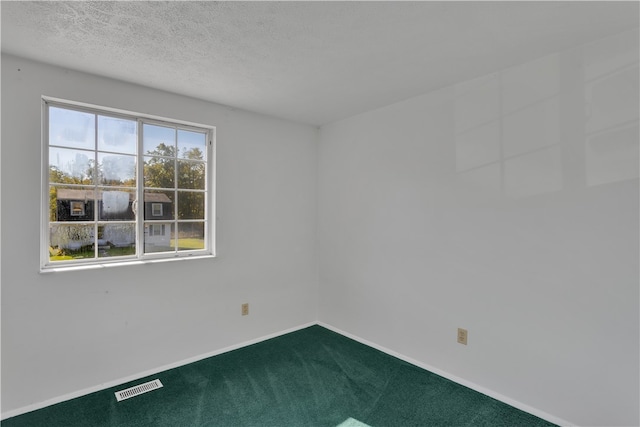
(77, 208)
(157, 229)
(121, 187)
(156, 209)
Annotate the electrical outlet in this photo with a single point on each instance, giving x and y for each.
(245, 309)
(462, 336)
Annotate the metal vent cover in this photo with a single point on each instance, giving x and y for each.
(138, 390)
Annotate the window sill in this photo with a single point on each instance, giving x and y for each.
(114, 264)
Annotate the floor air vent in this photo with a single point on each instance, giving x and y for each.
(137, 390)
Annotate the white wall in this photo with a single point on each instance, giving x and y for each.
(64, 332)
(507, 205)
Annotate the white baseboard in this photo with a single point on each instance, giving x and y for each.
(511, 402)
(89, 390)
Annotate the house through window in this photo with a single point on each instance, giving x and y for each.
(120, 186)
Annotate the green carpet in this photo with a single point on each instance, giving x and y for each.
(311, 377)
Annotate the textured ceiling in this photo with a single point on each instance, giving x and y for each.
(311, 62)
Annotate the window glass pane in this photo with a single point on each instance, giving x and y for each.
(71, 204)
(191, 175)
(191, 145)
(158, 237)
(159, 140)
(116, 239)
(117, 135)
(116, 205)
(71, 166)
(69, 128)
(159, 172)
(190, 236)
(118, 170)
(190, 205)
(71, 241)
(158, 205)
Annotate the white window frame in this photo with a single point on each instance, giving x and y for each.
(139, 257)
